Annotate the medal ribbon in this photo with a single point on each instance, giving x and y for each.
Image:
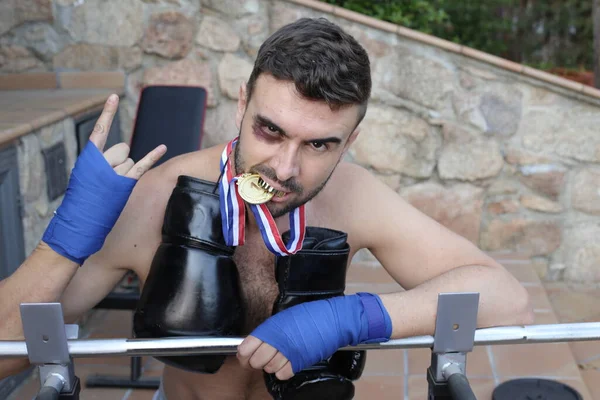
(233, 214)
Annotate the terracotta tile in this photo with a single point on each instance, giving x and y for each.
(115, 324)
(575, 383)
(384, 362)
(525, 273)
(102, 394)
(548, 359)
(544, 317)
(352, 288)
(538, 298)
(84, 80)
(34, 80)
(83, 370)
(368, 272)
(152, 364)
(380, 388)
(572, 306)
(141, 394)
(28, 389)
(478, 362)
(591, 378)
(418, 387)
(31, 388)
(585, 351)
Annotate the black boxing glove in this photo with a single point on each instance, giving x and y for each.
(316, 272)
(193, 286)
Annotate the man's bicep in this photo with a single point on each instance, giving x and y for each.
(412, 246)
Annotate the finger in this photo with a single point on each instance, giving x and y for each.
(285, 373)
(276, 363)
(142, 166)
(117, 154)
(246, 349)
(100, 131)
(124, 168)
(262, 356)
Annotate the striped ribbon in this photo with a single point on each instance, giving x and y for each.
(233, 214)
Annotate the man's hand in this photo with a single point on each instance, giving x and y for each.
(99, 188)
(311, 332)
(118, 155)
(254, 353)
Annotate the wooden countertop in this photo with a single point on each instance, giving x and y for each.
(23, 111)
(29, 101)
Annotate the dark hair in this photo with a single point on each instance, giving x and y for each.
(323, 61)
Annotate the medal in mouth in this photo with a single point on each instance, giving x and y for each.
(254, 190)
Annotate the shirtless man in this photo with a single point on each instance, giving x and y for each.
(297, 116)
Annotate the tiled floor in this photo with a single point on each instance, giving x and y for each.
(400, 374)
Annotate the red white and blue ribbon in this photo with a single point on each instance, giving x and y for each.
(233, 214)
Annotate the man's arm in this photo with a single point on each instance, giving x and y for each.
(69, 240)
(426, 259)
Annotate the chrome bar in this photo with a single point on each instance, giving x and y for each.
(551, 333)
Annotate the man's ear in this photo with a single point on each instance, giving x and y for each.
(241, 107)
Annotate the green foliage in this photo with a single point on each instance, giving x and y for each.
(423, 15)
(535, 32)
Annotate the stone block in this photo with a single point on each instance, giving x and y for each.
(585, 194)
(458, 208)
(394, 141)
(524, 236)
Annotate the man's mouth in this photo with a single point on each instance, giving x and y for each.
(270, 189)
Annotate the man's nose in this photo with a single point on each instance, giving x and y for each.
(287, 163)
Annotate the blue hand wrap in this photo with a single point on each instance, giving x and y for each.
(311, 332)
(94, 199)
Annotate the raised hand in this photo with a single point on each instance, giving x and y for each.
(118, 155)
(99, 187)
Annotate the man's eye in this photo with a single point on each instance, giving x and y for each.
(319, 146)
(272, 129)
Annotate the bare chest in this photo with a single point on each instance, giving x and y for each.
(256, 267)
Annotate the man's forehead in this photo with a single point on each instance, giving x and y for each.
(280, 102)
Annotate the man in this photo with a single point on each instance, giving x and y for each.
(202, 232)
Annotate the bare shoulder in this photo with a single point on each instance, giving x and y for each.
(410, 245)
(354, 192)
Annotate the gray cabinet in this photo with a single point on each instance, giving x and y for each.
(12, 251)
(12, 247)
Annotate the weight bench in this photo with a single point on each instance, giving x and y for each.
(174, 116)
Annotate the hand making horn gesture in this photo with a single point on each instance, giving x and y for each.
(99, 187)
(118, 155)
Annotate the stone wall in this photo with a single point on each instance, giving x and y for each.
(37, 207)
(508, 161)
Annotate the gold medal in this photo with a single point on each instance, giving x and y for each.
(249, 187)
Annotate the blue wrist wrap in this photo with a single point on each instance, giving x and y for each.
(311, 332)
(95, 197)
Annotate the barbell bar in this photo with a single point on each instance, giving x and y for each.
(528, 334)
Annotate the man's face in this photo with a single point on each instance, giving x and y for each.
(293, 143)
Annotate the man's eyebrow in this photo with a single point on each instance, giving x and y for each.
(261, 119)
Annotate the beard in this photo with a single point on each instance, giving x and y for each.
(298, 195)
